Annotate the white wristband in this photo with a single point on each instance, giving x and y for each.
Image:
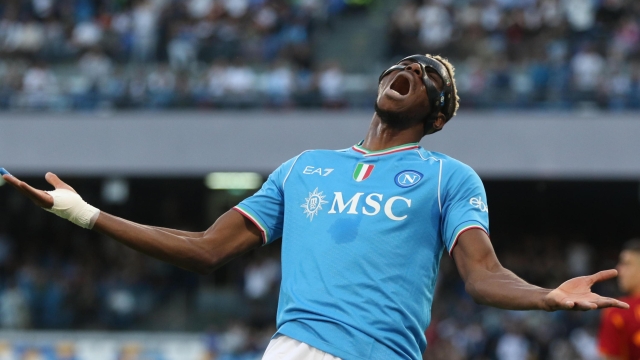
(69, 205)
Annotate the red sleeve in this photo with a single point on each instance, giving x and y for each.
(610, 334)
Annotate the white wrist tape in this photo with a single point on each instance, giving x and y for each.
(69, 205)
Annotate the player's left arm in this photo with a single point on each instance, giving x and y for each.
(489, 283)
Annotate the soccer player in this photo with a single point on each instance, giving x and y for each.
(619, 337)
(363, 230)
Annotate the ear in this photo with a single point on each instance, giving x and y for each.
(439, 123)
(436, 125)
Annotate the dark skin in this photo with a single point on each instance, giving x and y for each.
(232, 234)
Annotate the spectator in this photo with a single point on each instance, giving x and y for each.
(40, 87)
(216, 80)
(512, 346)
(14, 311)
(182, 49)
(436, 27)
(580, 14)
(95, 66)
(331, 85)
(279, 84)
(161, 84)
(587, 67)
(260, 277)
(240, 81)
(87, 34)
(144, 26)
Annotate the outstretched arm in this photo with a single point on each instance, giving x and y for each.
(491, 284)
(231, 235)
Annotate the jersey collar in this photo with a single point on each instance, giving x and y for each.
(358, 148)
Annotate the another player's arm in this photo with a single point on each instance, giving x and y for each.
(610, 334)
(489, 283)
(231, 235)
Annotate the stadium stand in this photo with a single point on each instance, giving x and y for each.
(239, 53)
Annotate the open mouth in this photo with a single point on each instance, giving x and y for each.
(401, 85)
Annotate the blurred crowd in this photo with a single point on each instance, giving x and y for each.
(54, 275)
(88, 54)
(160, 53)
(112, 288)
(521, 52)
(103, 285)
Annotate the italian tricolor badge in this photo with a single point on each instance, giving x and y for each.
(362, 172)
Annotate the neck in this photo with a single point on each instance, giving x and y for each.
(382, 136)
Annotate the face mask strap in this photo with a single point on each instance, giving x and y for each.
(443, 100)
(439, 99)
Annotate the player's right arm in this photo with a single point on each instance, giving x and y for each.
(231, 235)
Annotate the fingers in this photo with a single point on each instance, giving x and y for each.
(11, 180)
(609, 302)
(39, 197)
(599, 303)
(17, 184)
(578, 305)
(603, 275)
(585, 305)
(54, 180)
(566, 305)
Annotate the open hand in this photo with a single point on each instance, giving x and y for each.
(575, 294)
(39, 197)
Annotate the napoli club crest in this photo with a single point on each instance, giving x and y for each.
(408, 178)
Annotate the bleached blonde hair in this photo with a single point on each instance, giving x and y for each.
(452, 72)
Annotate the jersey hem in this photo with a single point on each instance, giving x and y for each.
(255, 221)
(323, 346)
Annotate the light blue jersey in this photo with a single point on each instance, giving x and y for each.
(362, 237)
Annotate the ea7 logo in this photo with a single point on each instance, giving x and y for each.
(477, 202)
(408, 178)
(310, 170)
(373, 205)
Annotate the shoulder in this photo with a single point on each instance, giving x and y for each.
(451, 167)
(301, 159)
(314, 154)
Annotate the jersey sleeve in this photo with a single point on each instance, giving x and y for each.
(464, 205)
(609, 335)
(266, 207)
